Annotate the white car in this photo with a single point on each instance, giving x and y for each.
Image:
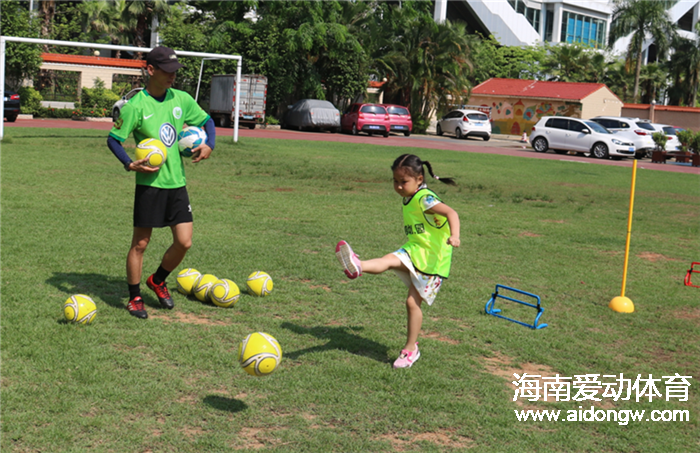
(563, 134)
(672, 142)
(117, 107)
(465, 123)
(636, 130)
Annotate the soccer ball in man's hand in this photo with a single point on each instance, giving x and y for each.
(190, 138)
(154, 150)
(259, 354)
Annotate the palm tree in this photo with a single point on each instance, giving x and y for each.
(427, 66)
(684, 69)
(642, 19)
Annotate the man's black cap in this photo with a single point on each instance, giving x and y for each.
(163, 58)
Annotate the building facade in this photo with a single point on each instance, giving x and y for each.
(529, 22)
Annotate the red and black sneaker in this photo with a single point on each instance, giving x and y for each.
(136, 308)
(162, 292)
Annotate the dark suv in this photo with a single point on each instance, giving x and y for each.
(11, 105)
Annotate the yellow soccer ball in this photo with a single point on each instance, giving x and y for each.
(154, 150)
(224, 293)
(259, 354)
(202, 287)
(80, 309)
(259, 284)
(186, 280)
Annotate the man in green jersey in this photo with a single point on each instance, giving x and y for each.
(161, 197)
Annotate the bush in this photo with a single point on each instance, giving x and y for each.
(271, 120)
(686, 138)
(420, 125)
(30, 101)
(98, 99)
(660, 140)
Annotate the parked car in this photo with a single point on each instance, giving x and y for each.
(369, 118)
(399, 119)
(563, 134)
(312, 114)
(117, 107)
(465, 123)
(636, 130)
(672, 142)
(11, 105)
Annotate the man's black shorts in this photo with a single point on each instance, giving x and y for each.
(157, 208)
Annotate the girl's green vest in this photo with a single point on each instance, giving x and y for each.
(427, 236)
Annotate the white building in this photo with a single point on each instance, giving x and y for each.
(528, 22)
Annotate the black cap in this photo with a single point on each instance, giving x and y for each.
(163, 58)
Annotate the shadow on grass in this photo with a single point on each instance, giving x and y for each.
(112, 290)
(341, 338)
(225, 404)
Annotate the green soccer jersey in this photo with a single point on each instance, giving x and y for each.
(148, 118)
(427, 234)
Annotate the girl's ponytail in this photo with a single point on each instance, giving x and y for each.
(448, 181)
(415, 165)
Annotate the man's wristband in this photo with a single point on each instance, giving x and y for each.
(126, 167)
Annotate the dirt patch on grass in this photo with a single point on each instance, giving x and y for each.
(446, 438)
(690, 314)
(254, 439)
(654, 257)
(552, 221)
(528, 234)
(439, 337)
(187, 318)
(502, 365)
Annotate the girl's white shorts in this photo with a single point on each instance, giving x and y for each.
(427, 285)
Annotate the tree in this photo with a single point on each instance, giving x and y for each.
(684, 69)
(643, 20)
(427, 66)
(22, 60)
(510, 62)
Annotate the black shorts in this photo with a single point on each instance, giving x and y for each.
(158, 208)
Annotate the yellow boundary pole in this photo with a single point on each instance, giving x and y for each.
(623, 304)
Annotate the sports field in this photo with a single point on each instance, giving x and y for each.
(171, 383)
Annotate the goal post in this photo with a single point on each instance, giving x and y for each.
(184, 53)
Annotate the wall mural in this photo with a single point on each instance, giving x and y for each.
(514, 119)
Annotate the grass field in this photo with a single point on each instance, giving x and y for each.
(171, 383)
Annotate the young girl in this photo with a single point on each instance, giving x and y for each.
(424, 261)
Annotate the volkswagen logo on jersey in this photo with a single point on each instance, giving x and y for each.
(177, 112)
(168, 134)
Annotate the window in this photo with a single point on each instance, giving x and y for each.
(398, 111)
(557, 123)
(576, 126)
(577, 28)
(531, 14)
(373, 109)
(477, 117)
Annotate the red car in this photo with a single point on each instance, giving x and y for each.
(399, 119)
(369, 118)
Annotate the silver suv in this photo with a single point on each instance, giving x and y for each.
(636, 130)
(563, 134)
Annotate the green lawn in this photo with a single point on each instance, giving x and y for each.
(171, 383)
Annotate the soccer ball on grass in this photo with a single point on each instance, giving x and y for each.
(259, 354)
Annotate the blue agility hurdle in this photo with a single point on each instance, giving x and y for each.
(490, 310)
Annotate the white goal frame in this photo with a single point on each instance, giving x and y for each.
(4, 39)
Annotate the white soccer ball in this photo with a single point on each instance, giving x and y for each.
(190, 138)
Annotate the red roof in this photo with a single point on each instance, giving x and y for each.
(668, 108)
(92, 61)
(374, 84)
(538, 89)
